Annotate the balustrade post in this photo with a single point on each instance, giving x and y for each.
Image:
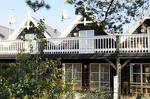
(117, 43)
(148, 43)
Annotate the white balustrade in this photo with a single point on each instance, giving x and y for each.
(11, 47)
(139, 43)
(97, 44)
(135, 43)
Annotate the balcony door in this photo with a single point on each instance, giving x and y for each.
(30, 38)
(86, 42)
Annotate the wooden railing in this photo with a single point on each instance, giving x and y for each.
(99, 44)
(13, 47)
(135, 43)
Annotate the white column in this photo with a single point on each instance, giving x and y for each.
(115, 96)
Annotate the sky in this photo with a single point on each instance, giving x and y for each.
(52, 17)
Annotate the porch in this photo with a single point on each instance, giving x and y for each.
(95, 74)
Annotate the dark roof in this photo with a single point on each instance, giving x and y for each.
(51, 31)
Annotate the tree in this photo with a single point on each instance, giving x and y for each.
(111, 15)
(35, 5)
(32, 75)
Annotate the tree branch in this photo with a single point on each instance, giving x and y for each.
(108, 9)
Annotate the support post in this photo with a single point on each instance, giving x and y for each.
(117, 80)
(119, 77)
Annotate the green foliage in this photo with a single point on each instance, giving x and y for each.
(35, 5)
(32, 77)
(101, 93)
(40, 38)
(4, 89)
(114, 13)
(39, 35)
(69, 1)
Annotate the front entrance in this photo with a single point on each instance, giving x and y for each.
(85, 76)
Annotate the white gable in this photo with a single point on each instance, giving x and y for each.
(138, 23)
(71, 26)
(134, 26)
(25, 24)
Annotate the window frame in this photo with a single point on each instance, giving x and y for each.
(72, 74)
(100, 75)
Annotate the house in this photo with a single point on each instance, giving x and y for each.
(94, 60)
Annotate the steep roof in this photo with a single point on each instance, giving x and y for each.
(71, 26)
(138, 23)
(79, 20)
(25, 24)
(51, 31)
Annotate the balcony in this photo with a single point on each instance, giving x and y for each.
(139, 43)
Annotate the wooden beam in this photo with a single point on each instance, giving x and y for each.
(125, 63)
(111, 63)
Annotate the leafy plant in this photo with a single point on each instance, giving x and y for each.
(111, 14)
(35, 5)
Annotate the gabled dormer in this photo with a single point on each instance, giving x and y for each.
(27, 27)
(82, 24)
(140, 26)
(144, 28)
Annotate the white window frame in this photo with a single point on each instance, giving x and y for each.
(99, 71)
(141, 76)
(86, 42)
(72, 72)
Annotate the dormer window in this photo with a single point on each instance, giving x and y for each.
(148, 30)
(143, 28)
(30, 36)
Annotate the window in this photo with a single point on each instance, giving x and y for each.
(73, 71)
(30, 36)
(86, 43)
(148, 30)
(99, 76)
(140, 78)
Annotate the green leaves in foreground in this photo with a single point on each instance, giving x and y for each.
(69, 1)
(32, 78)
(36, 5)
